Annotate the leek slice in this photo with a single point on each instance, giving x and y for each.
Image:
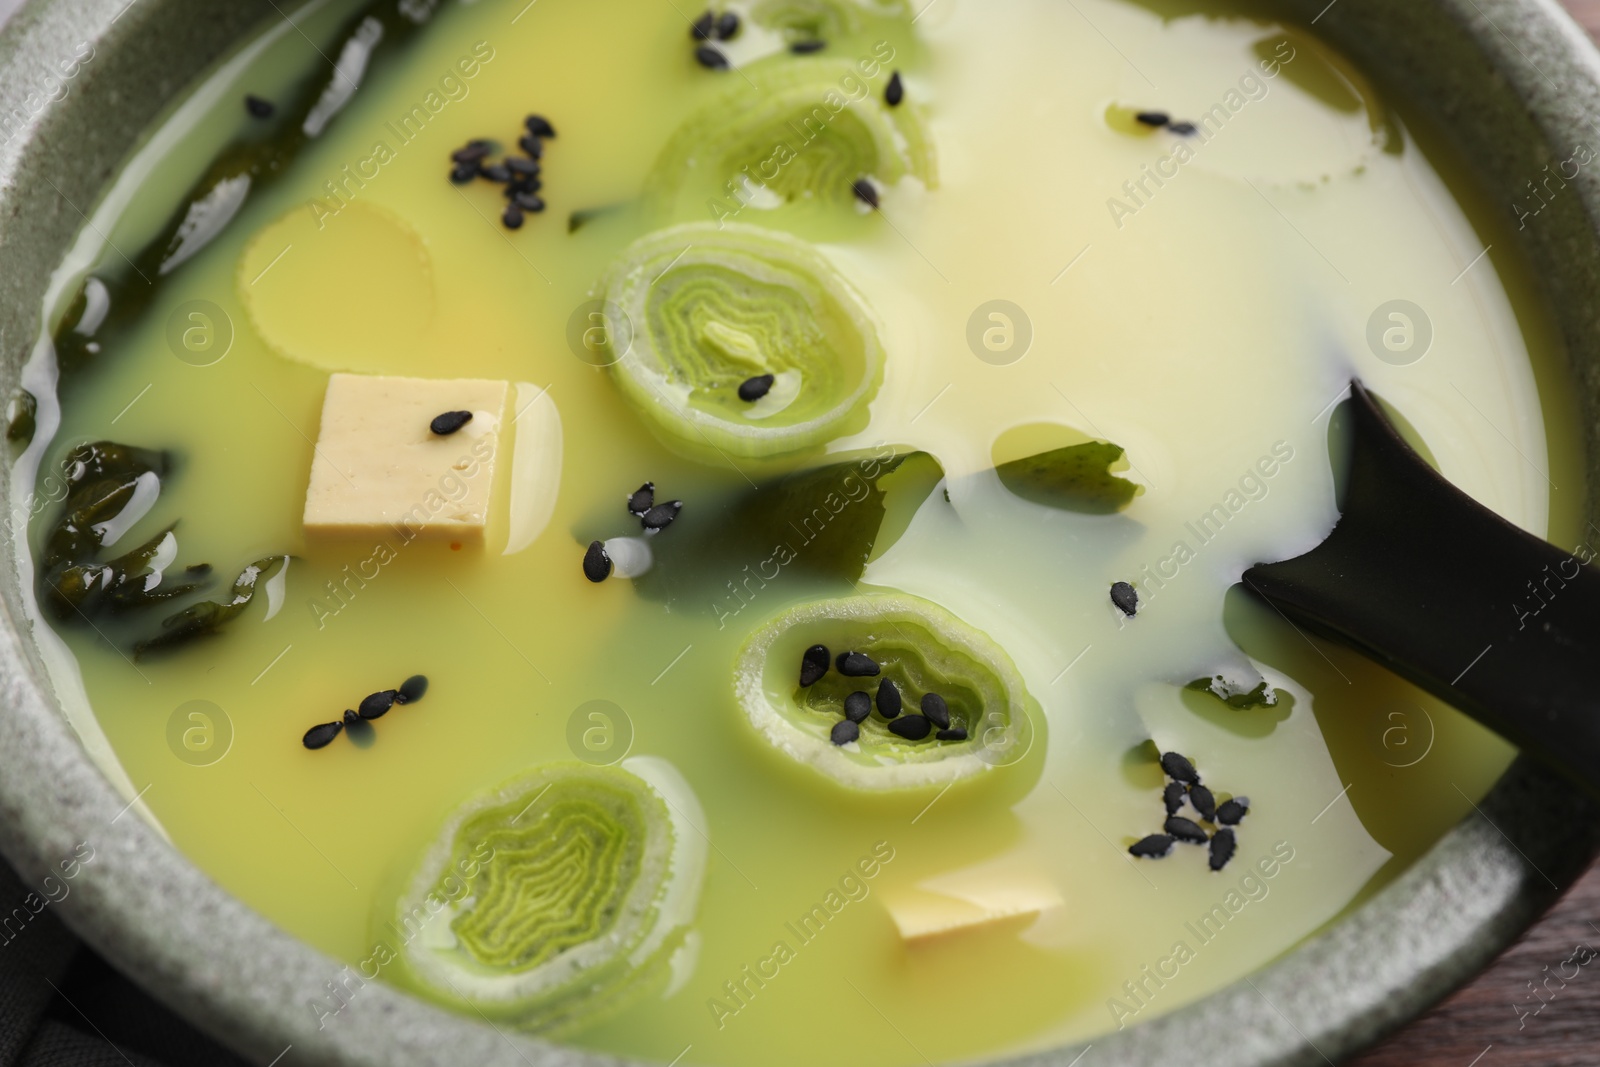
(557, 896)
(807, 130)
(810, 20)
(920, 647)
(706, 309)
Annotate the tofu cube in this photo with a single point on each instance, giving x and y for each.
(922, 913)
(380, 470)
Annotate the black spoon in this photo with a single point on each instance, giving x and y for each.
(1426, 581)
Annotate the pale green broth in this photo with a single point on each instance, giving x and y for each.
(1201, 329)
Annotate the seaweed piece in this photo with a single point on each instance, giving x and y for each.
(823, 523)
(243, 169)
(104, 480)
(1075, 478)
(20, 417)
(101, 480)
(130, 581)
(209, 616)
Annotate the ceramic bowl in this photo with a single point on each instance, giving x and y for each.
(1514, 83)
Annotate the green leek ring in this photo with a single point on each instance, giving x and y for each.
(706, 308)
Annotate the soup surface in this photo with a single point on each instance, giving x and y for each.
(1043, 268)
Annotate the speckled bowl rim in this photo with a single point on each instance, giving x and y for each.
(1487, 71)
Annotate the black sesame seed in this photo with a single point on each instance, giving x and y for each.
(813, 665)
(806, 48)
(910, 727)
(539, 126)
(596, 564)
(528, 202)
(755, 388)
(463, 173)
(727, 26)
(856, 665)
(895, 91)
(703, 27)
(320, 735)
(1182, 129)
(471, 152)
(377, 705)
(533, 147)
(661, 516)
(954, 733)
(888, 699)
(1222, 846)
(1203, 802)
(1229, 812)
(518, 165)
(935, 710)
(857, 706)
(1185, 829)
(865, 192)
(1153, 847)
(412, 689)
(1153, 118)
(496, 172)
(1179, 769)
(1173, 797)
(350, 717)
(511, 217)
(710, 58)
(643, 499)
(1125, 597)
(448, 423)
(258, 108)
(844, 732)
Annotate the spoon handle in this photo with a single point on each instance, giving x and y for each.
(1428, 582)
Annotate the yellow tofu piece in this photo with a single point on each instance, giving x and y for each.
(379, 470)
(923, 912)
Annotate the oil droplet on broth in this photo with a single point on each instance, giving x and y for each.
(352, 291)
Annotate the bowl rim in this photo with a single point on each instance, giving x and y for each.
(252, 985)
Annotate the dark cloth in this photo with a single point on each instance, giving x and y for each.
(61, 1005)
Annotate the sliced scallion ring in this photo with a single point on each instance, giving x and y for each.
(920, 648)
(800, 135)
(555, 897)
(707, 309)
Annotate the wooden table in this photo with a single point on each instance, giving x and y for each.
(1532, 1007)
